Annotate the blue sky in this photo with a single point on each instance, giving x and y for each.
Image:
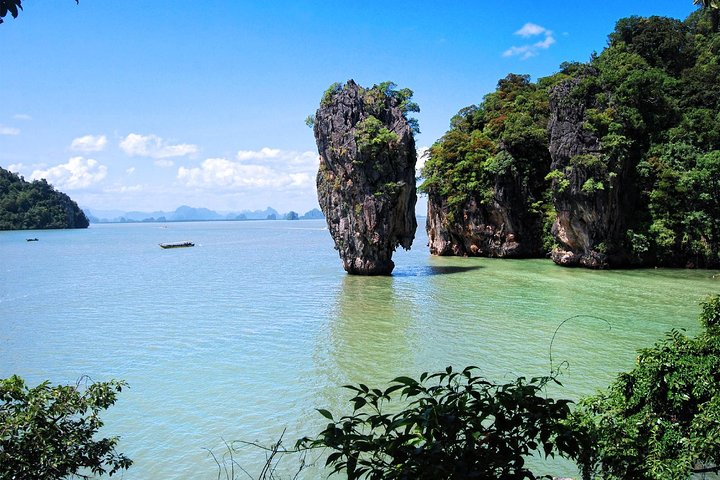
(149, 105)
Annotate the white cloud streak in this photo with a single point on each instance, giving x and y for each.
(89, 143)
(530, 50)
(10, 131)
(136, 145)
(77, 173)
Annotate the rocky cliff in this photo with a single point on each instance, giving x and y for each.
(591, 186)
(617, 159)
(485, 177)
(501, 226)
(366, 178)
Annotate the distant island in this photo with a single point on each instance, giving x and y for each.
(192, 214)
(36, 205)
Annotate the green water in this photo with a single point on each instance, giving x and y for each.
(247, 333)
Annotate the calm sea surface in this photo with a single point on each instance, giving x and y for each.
(246, 334)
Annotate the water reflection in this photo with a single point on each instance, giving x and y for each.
(370, 329)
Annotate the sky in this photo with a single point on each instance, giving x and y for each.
(150, 105)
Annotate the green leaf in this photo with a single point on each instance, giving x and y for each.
(405, 380)
(325, 414)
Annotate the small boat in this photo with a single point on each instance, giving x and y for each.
(31, 239)
(177, 245)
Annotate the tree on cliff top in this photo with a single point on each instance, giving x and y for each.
(714, 7)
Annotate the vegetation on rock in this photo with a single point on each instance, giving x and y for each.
(35, 205)
(366, 177)
(616, 161)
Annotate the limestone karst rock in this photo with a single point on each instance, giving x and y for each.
(503, 227)
(366, 178)
(485, 177)
(591, 191)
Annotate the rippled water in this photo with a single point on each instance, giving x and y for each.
(247, 333)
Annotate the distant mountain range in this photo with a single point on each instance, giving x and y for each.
(191, 214)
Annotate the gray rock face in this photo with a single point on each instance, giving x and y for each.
(366, 178)
(587, 191)
(503, 228)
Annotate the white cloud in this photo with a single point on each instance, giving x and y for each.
(89, 143)
(272, 169)
(22, 116)
(152, 146)
(530, 30)
(16, 167)
(264, 152)
(77, 173)
(164, 163)
(130, 170)
(531, 49)
(9, 130)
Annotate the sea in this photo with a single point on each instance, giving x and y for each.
(234, 344)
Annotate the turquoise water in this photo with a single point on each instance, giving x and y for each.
(247, 333)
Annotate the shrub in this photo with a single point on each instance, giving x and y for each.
(47, 431)
(457, 425)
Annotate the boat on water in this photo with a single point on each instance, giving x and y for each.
(31, 239)
(177, 245)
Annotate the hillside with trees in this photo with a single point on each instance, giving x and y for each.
(36, 205)
(613, 162)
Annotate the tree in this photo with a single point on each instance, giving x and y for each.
(13, 6)
(456, 425)
(35, 205)
(714, 7)
(47, 431)
(661, 420)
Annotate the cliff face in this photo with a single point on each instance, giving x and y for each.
(502, 227)
(615, 162)
(366, 178)
(485, 178)
(589, 185)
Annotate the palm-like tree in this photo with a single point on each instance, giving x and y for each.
(10, 6)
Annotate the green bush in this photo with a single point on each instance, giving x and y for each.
(661, 420)
(47, 432)
(456, 425)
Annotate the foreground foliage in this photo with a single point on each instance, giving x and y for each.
(36, 205)
(48, 431)
(661, 420)
(455, 425)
